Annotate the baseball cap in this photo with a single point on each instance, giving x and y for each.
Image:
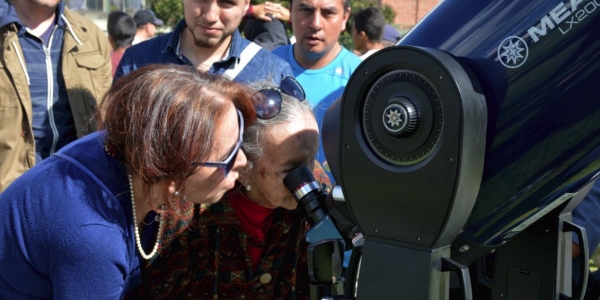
(390, 33)
(146, 16)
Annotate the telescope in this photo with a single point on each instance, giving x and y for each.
(461, 152)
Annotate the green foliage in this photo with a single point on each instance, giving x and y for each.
(170, 11)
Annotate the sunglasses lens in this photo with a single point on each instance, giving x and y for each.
(269, 104)
(290, 86)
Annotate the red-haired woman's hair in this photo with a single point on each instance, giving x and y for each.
(160, 118)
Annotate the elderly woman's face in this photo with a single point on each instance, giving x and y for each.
(286, 146)
(209, 184)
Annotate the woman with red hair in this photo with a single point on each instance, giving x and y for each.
(79, 224)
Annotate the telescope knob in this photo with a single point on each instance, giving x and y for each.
(401, 117)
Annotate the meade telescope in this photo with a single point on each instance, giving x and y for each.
(464, 148)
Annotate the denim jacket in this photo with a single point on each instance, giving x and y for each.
(263, 66)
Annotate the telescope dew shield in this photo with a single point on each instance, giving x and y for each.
(410, 155)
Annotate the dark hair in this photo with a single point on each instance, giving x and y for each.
(371, 21)
(347, 4)
(121, 28)
(162, 117)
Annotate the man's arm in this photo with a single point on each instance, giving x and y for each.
(106, 67)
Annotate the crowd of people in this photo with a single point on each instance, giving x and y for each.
(139, 166)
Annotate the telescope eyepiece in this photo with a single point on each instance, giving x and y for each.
(307, 191)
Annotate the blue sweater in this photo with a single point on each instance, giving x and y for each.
(66, 228)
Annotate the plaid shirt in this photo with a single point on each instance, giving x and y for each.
(210, 259)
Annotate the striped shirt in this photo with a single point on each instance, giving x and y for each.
(52, 118)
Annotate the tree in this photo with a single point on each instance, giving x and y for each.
(170, 11)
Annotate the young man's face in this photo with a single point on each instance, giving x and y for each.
(211, 22)
(317, 24)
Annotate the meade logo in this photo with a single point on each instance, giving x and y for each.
(513, 50)
(559, 14)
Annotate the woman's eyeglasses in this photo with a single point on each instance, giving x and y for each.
(228, 163)
(268, 101)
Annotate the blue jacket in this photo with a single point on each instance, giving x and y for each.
(66, 228)
(264, 66)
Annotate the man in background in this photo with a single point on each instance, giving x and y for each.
(391, 36)
(319, 62)
(55, 68)
(146, 23)
(121, 31)
(208, 39)
(367, 31)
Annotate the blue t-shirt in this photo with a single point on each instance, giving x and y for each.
(322, 86)
(66, 228)
(166, 49)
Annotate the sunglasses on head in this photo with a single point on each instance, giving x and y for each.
(268, 101)
(228, 163)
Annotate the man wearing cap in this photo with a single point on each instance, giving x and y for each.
(367, 31)
(208, 39)
(390, 36)
(146, 23)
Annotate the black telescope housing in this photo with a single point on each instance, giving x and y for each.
(464, 149)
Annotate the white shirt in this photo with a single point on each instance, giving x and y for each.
(368, 53)
(136, 40)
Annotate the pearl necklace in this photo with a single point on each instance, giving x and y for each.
(135, 226)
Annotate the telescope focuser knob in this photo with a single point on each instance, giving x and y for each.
(400, 117)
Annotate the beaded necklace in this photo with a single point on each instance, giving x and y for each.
(138, 241)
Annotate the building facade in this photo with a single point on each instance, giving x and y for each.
(409, 12)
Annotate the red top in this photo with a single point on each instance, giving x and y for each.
(255, 220)
(115, 58)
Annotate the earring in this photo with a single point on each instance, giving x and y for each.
(248, 188)
(176, 193)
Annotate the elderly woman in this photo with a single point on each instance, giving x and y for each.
(250, 245)
(73, 226)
